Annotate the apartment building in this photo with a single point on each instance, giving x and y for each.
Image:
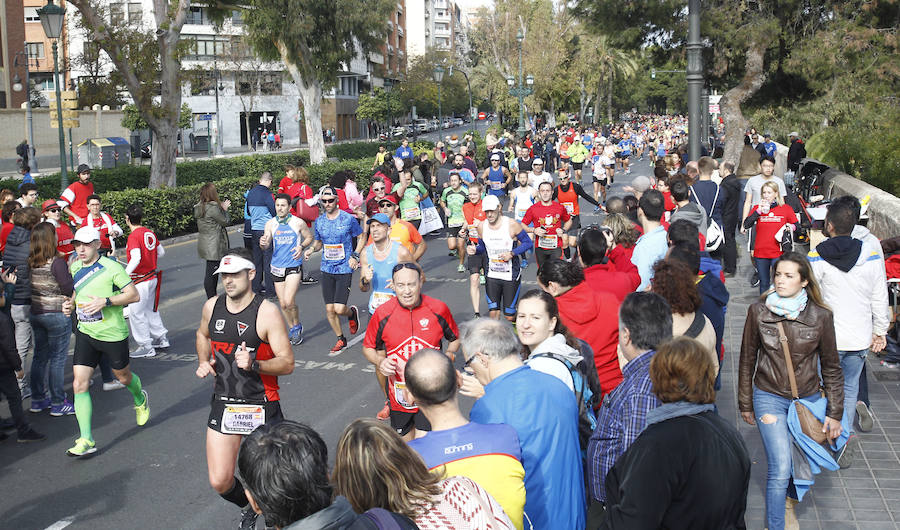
(437, 24)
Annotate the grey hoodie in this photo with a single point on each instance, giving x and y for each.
(555, 344)
(692, 213)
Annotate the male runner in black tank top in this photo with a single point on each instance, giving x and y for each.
(243, 342)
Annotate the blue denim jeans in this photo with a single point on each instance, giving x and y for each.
(852, 363)
(764, 268)
(51, 347)
(777, 442)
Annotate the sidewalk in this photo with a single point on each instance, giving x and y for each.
(864, 496)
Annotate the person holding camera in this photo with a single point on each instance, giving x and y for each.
(770, 218)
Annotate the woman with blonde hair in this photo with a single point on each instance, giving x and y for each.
(374, 468)
(769, 219)
(790, 321)
(624, 233)
(212, 240)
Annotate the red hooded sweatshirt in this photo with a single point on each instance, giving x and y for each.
(618, 275)
(593, 316)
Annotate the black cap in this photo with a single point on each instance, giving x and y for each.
(83, 168)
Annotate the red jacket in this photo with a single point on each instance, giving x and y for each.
(618, 276)
(593, 316)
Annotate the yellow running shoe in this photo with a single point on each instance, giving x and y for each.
(83, 447)
(142, 411)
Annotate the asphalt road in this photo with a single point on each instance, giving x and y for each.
(155, 476)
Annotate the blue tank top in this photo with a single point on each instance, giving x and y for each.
(284, 241)
(495, 181)
(382, 274)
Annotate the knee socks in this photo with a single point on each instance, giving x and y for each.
(236, 494)
(135, 388)
(84, 409)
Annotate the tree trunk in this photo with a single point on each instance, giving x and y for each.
(735, 123)
(311, 97)
(162, 155)
(609, 90)
(165, 127)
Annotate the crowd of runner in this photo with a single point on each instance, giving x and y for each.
(594, 392)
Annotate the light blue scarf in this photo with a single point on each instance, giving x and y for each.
(667, 411)
(789, 308)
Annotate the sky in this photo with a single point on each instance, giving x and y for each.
(467, 4)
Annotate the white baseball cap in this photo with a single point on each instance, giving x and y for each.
(230, 264)
(537, 161)
(490, 202)
(87, 234)
(495, 156)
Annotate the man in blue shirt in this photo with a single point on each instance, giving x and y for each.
(645, 321)
(652, 246)
(625, 146)
(260, 207)
(404, 151)
(770, 147)
(544, 414)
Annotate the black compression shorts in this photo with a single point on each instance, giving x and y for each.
(502, 295)
(88, 351)
(336, 288)
(217, 411)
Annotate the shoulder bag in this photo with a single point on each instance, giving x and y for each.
(810, 424)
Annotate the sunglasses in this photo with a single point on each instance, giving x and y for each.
(405, 265)
(468, 362)
(377, 189)
(328, 201)
(54, 210)
(385, 204)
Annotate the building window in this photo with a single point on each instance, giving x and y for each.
(203, 83)
(350, 85)
(44, 83)
(247, 83)
(34, 50)
(197, 15)
(116, 14)
(237, 18)
(270, 83)
(135, 14)
(208, 47)
(31, 14)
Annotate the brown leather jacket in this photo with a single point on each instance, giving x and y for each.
(811, 342)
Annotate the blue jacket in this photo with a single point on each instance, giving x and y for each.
(544, 414)
(817, 457)
(261, 206)
(650, 248)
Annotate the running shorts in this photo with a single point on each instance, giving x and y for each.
(476, 263)
(502, 294)
(577, 165)
(88, 351)
(217, 411)
(287, 272)
(336, 287)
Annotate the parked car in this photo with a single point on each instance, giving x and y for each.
(398, 131)
(433, 125)
(421, 125)
(457, 122)
(448, 123)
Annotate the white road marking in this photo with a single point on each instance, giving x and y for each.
(62, 523)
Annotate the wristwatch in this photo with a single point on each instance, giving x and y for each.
(254, 366)
(108, 302)
(354, 255)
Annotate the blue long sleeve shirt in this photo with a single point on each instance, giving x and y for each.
(261, 206)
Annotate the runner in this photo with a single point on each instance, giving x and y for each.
(143, 250)
(242, 342)
(402, 231)
(521, 199)
(496, 178)
(538, 175)
(74, 198)
(610, 157)
(334, 231)
(504, 275)
(474, 215)
(52, 213)
(548, 220)
(400, 327)
(283, 233)
(567, 194)
(452, 200)
(626, 144)
(108, 228)
(578, 153)
(411, 193)
(378, 259)
(102, 287)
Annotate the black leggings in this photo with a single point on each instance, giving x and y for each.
(210, 281)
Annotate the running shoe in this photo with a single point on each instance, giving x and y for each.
(248, 519)
(338, 346)
(30, 435)
(460, 268)
(142, 411)
(296, 334)
(309, 280)
(384, 413)
(113, 385)
(39, 405)
(63, 409)
(754, 280)
(82, 447)
(161, 343)
(353, 320)
(143, 351)
(864, 417)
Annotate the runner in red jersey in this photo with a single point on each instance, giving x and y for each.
(548, 220)
(107, 226)
(76, 195)
(64, 236)
(143, 250)
(474, 215)
(243, 343)
(400, 327)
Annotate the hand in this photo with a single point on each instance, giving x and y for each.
(743, 230)
(542, 232)
(206, 368)
(298, 251)
(832, 428)
(67, 307)
(307, 253)
(387, 367)
(559, 231)
(470, 386)
(226, 204)
(368, 273)
(878, 343)
(353, 263)
(242, 357)
(78, 220)
(8, 277)
(95, 305)
(610, 240)
(264, 240)
(748, 418)
(506, 256)
(470, 250)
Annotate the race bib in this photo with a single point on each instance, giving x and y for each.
(399, 387)
(277, 271)
(334, 252)
(496, 184)
(455, 222)
(379, 298)
(499, 266)
(242, 419)
(412, 213)
(548, 242)
(86, 317)
(570, 207)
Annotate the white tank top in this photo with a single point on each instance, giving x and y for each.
(496, 242)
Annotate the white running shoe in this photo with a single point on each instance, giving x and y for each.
(114, 385)
(143, 351)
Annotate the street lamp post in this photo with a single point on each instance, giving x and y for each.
(17, 87)
(388, 85)
(694, 79)
(220, 149)
(52, 18)
(521, 90)
(438, 77)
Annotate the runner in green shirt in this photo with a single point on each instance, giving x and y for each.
(410, 193)
(102, 288)
(452, 200)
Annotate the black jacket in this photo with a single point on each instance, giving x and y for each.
(731, 205)
(340, 516)
(689, 472)
(9, 355)
(796, 153)
(18, 245)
